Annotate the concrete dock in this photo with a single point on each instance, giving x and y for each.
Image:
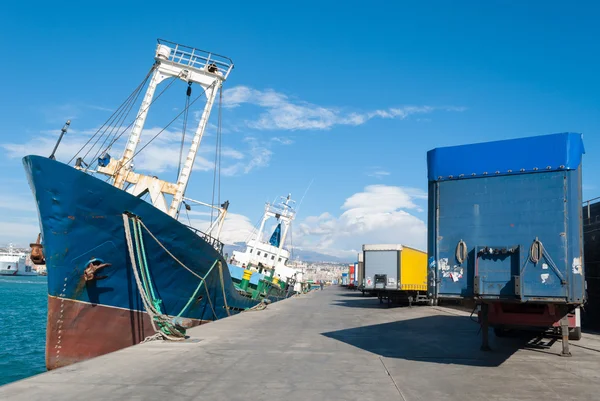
(330, 345)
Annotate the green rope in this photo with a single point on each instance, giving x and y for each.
(163, 327)
(197, 289)
(139, 257)
(155, 300)
(167, 327)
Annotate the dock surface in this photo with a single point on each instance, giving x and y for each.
(330, 345)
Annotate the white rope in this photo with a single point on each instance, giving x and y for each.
(260, 306)
(182, 265)
(153, 313)
(170, 254)
(223, 288)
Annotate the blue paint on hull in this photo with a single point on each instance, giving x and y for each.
(81, 219)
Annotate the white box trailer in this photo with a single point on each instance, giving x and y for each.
(381, 264)
(395, 272)
(360, 272)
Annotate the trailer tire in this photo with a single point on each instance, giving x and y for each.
(575, 334)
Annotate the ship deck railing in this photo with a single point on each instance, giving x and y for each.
(215, 243)
(283, 211)
(197, 58)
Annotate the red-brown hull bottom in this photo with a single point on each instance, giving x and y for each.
(77, 331)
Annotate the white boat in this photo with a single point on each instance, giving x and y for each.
(14, 263)
(263, 256)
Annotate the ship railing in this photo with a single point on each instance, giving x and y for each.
(197, 58)
(288, 212)
(215, 243)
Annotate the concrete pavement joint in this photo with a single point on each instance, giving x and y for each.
(393, 381)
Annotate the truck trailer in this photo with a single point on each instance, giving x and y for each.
(591, 254)
(360, 273)
(505, 229)
(395, 272)
(351, 276)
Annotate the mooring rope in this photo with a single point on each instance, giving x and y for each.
(202, 279)
(223, 288)
(173, 334)
(145, 286)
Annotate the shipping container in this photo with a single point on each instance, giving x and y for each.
(395, 268)
(504, 227)
(591, 255)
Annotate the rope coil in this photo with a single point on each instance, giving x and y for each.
(166, 330)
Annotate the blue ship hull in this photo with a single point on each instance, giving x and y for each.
(81, 220)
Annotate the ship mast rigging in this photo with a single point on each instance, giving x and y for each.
(173, 62)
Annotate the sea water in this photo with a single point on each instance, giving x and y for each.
(23, 305)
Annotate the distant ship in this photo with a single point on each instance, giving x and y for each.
(122, 269)
(271, 256)
(14, 263)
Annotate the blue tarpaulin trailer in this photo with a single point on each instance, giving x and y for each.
(505, 229)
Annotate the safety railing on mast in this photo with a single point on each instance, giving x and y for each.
(197, 58)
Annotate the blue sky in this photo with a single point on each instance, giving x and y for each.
(349, 97)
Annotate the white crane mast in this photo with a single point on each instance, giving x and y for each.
(193, 66)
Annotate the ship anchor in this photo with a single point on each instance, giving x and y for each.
(89, 274)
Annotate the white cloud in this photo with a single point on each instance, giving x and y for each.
(283, 113)
(282, 140)
(379, 174)
(19, 223)
(17, 203)
(60, 113)
(236, 228)
(259, 155)
(232, 153)
(379, 214)
(20, 233)
(161, 155)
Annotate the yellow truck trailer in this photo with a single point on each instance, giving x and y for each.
(395, 272)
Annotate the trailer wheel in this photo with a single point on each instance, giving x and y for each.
(575, 334)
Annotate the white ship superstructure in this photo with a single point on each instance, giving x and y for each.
(263, 255)
(14, 263)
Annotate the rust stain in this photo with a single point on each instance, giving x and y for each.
(71, 217)
(79, 289)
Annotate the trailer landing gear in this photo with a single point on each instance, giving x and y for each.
(564, 331)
